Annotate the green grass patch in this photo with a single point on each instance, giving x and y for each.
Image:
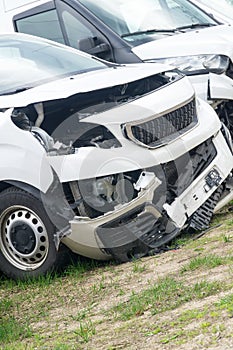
(12, 330)
(165, 295)
(5, 305)
(190, 315)
(85, 331)
(181, 240)
(81, 266)
(227, 238)
(227, 304)
(138, 266)
(208, 261)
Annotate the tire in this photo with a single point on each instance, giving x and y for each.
(27, 247)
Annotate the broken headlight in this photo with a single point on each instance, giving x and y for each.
(197, 64)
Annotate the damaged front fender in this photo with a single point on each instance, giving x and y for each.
(220, 87)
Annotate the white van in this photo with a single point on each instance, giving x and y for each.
(173, 31)
(109, 160)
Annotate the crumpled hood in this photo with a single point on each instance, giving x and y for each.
(213, 40)
(84, 82)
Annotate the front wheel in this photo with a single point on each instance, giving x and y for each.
(27, 247)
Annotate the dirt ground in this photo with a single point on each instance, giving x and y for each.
(82, 312)
(137, 333)
(210, 326)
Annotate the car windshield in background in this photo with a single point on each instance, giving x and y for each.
(25, 63)
(136, 23)
(222, 6)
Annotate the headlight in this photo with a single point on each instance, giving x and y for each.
(198, 64)
(216, 64)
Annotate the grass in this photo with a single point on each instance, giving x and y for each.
(94, 305)
(227, 304)
(85, 331)
(12, 329)
(193, 323)
(227, 238)
(208, 261)
(5, 305)
(167, 294)
(138, 266)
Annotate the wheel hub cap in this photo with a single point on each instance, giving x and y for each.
(24, 238)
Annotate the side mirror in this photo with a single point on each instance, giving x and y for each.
(93, 46)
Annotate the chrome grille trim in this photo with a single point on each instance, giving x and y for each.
(162, 128)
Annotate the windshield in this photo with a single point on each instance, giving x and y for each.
(27, 61)
(223, 7)
(147, 17)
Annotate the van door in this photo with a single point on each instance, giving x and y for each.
(42, 21)
(60, 22)
(81, 33)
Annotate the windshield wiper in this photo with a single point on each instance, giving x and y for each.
(149, 31)
(196, 25)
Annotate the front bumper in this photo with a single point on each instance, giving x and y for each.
(139, 226)
(85, 239)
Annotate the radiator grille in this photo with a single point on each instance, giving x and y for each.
(161, 129)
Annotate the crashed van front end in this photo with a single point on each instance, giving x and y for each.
(108, 170)
(133, 211)
(164, 168)
(146, 222)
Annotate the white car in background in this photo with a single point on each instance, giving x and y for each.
(111, 161)
(175, 32)
(222, 10)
